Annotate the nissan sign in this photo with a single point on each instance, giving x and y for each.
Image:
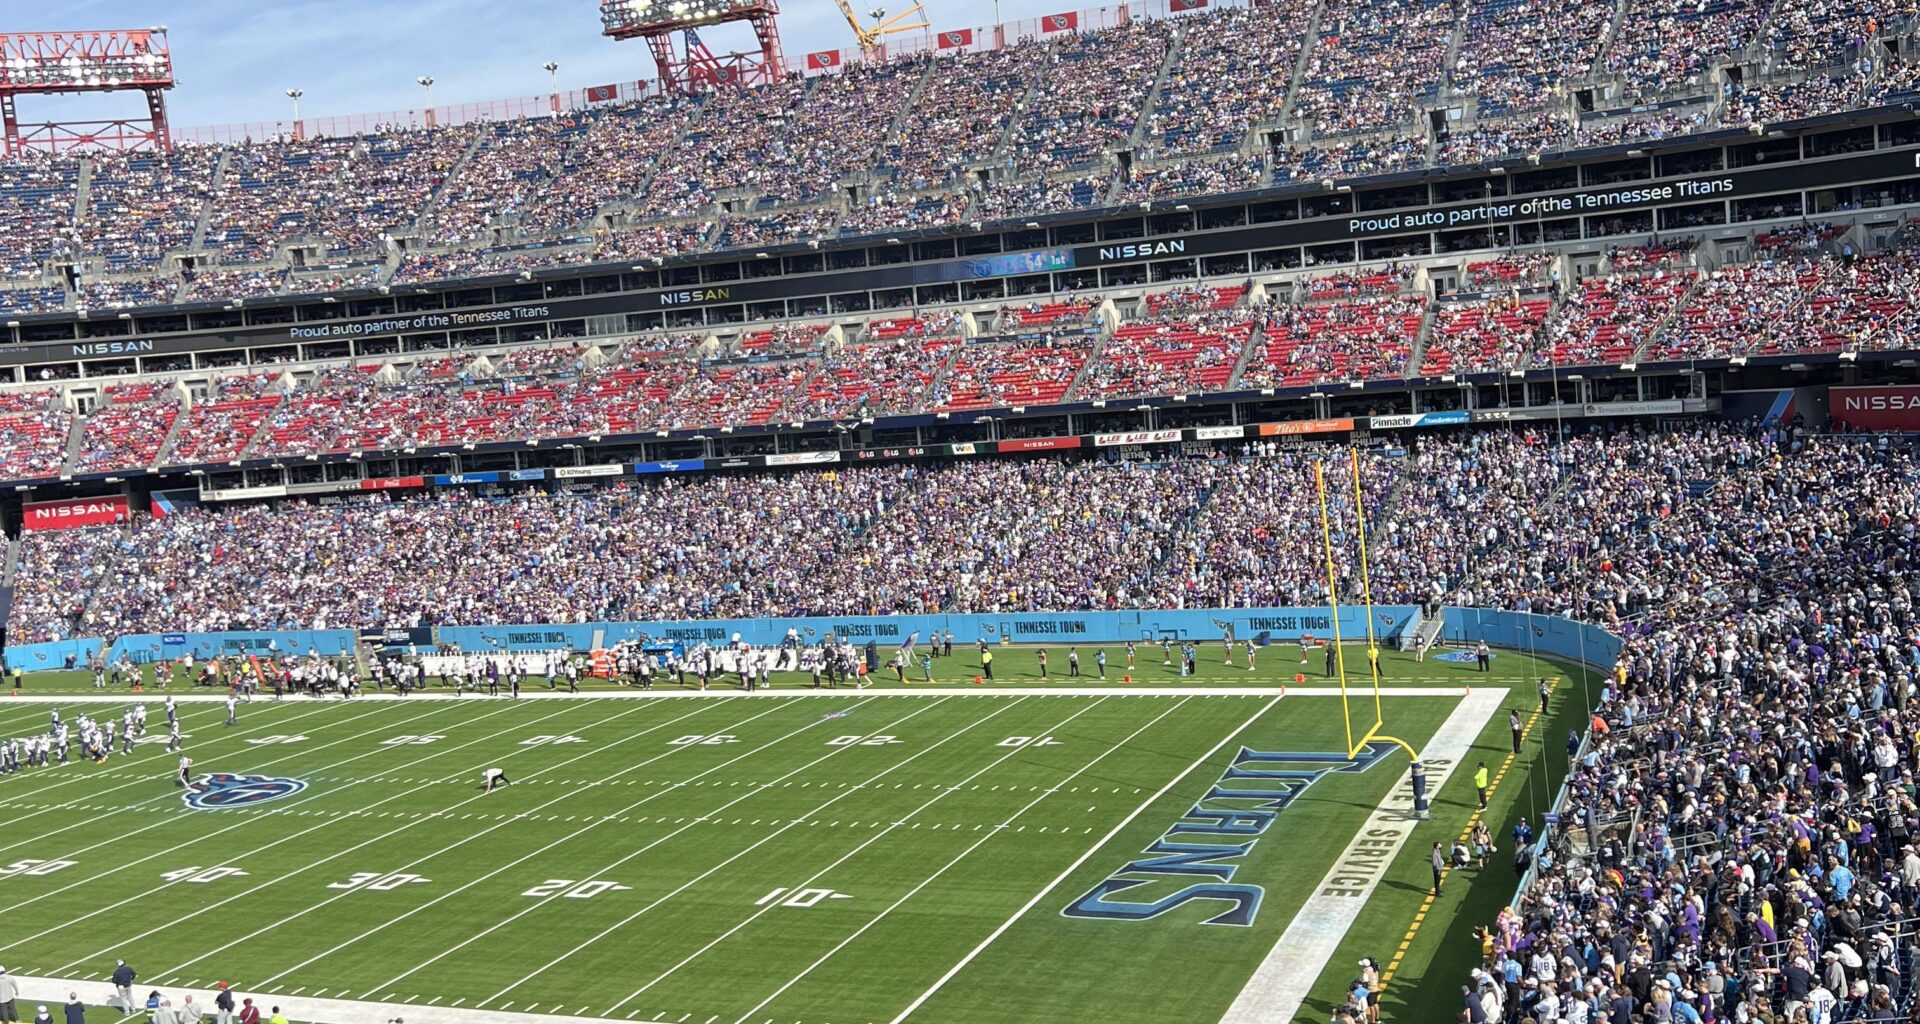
(68, 515)
(1892, 407)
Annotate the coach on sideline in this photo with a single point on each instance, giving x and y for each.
(123, 978)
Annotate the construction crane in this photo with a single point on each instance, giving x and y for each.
(871, 37)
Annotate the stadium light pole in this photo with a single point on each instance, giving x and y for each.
(426, 82)
(294, 94)
(553, 83)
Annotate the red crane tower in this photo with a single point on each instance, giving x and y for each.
(113, 60)
(698, 68)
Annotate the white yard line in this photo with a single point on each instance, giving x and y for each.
(465, 772)
(1282, 981)
(957, 858)
(53, 991)
(241, 821)
(843, 858)
(1082, 859)
(570, 791)
(19, 786)
(752, 791)
(795, 822)
(171, 793)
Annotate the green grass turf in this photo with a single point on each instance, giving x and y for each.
(935, 840)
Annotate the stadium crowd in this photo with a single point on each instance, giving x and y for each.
(1037, 119)
(1739, 842)
(1805, 290)
(1743, 817)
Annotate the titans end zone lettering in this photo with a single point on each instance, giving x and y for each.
(1213, 839)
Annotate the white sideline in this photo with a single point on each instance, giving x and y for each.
(53, 992)
(1282, 981)
(1111, 690)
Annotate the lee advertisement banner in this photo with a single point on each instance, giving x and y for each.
(1136, 437)
(78, 512)
(1891, 407)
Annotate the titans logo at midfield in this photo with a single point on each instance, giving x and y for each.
(223, 790)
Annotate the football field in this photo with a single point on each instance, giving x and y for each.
(1191, 851)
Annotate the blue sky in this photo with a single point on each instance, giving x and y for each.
(235, 58)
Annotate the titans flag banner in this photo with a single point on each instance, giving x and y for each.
(1177, 6)
(956, 37)
(602, 93)
(823, 60)
(1060, 22)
